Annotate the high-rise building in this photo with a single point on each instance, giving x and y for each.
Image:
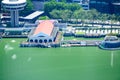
(106, 6)
(83, 3)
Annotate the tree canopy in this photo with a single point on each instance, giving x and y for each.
(28, 8)
(53, 5)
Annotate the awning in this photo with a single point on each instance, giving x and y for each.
(33, 15)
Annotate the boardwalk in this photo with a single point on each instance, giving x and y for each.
(78, 43)
(64, 43)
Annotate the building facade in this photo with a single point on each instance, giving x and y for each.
(106, 6)
(45, 32)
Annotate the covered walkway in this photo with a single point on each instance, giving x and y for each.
(33, 16)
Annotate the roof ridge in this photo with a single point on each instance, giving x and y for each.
(45, 26)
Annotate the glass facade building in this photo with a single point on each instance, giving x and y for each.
(106, 6)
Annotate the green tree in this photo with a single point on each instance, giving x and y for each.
(84, 16)
(55, 14)
(112, 19)
(50, 6)
(76, 15)
(73, 6)
(103, 18)
(66, 15)
(81, 15)
(28, 8)
(43, 18)
(118, 18)
(94, 15)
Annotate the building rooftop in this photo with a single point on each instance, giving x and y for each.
(45, 27)
(13, 1)
(111, 38)
(34, 15)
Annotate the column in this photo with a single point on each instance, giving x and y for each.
(14, 18)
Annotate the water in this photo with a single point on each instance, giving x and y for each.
(112, 58)
(8, 48)
(78, 63)
(14, 56)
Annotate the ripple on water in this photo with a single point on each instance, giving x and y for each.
(29, 59)
(13, 41)
(14, 56)
(8, 47)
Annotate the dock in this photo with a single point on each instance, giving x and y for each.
(78, 43)
(64, 43)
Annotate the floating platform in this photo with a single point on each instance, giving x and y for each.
(101, 47)
(110, 43)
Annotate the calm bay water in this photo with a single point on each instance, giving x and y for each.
(77, 63)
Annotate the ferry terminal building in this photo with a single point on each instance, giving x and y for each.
(45, 32)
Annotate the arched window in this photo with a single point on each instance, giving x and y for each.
(36, 41)
(31, 40)
(40, 41)
(45, 40)
(50, 40)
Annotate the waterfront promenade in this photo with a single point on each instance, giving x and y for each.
(79, 43)
(64, 43)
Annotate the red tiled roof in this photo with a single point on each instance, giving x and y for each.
(45, 27)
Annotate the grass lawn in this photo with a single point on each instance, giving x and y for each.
(80, 33)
